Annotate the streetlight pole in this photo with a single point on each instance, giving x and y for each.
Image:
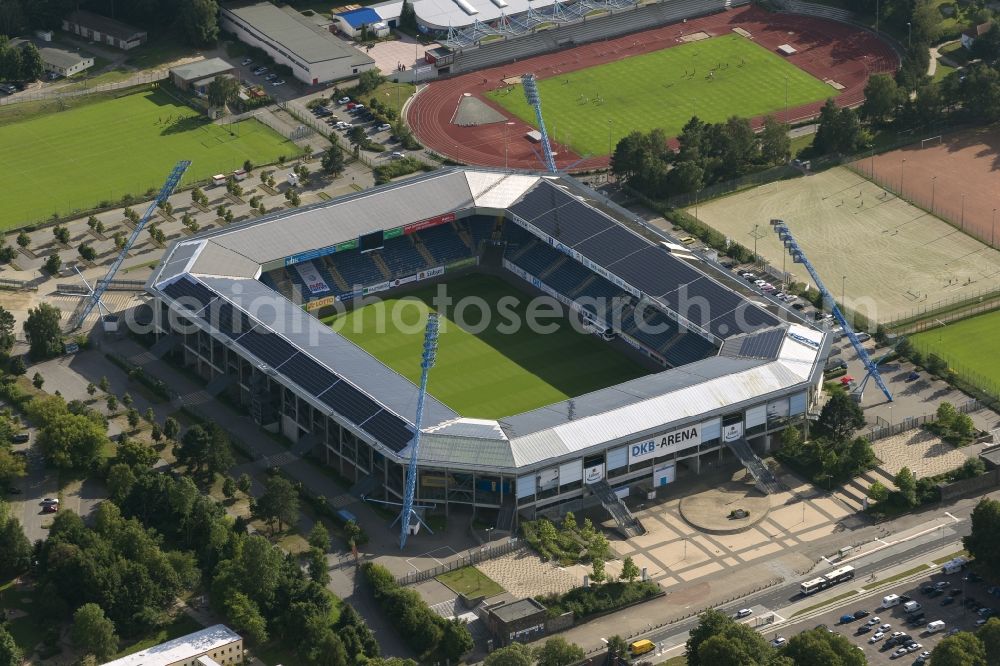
(901, 164)
(933, 186)
(610, 125)
(786, 98)
(963, 212)
(909, 34)
(993, 235)
(876, 16)
(506, 137)
(843, 291)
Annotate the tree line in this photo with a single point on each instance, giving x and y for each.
(19, 62)
(196, 21)
(707, 153)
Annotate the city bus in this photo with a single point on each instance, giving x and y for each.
(826, 580)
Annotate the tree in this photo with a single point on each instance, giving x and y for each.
(882, 97)
(171, 427)
(223, 90)
(279, 502)
(38, 381)
(91, 389)
(775, 144)
(10, 653)
(558, 652)
(515, 654)
(332, 161)
(16, 366)
(7, 337)
(819, 646)
(877, 492)
(839, 130)
(597, 574)
(112, 403)
(127, 399)
(10, 64)
(319, 537)
(133, 418)
(23, 240)
(408, 17)
(710, 623)
(52, 264)
(983, 542)
(245, 616)
(121, 479)
(93, 632)
(104, 384)
(244, 484)
(369, 80)
(32, 66)
(962, 649)
(198, 21)
(318, 570)
(15, 549)
(357, 135)
(229, 487)
(70, 441)
(989, 635)
(87, 252)
(629, 569)
(11, 466)
(906, 481)
(43, 332)
(840, 417)
(61, 234)
(329, 650)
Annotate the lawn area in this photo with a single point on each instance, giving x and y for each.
(663, 90)
(393, 95)
(494, 372)
(471, 582)
(65, 161)
(26, 629)
(971, 347)
(181, 625)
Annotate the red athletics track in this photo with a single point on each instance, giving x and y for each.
(826, 49)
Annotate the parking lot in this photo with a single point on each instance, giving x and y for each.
(957, 605)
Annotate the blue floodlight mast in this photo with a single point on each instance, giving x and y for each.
(535, 100)
(168, 188)
(799, 257)
(426, 363)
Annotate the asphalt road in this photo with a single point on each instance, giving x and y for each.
(38, 484)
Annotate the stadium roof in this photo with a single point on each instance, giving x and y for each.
(292, 31)
(213, 277)
(202, 69)
(180, 649)
(359, 17)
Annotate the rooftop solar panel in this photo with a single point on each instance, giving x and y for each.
(389, 429)
(763, 345)
(227, 319)
(308, 374)
(350, 402)
(560, 215)
(267, 346)
(192, 295)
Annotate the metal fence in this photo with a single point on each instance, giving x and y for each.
(938, 313)
(49, 95)
(734, 185)
(884, 429)
(467, 559)
(6, 283)
(973, 377)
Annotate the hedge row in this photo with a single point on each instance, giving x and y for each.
(597, 599)
(427, 633)
(135, 372)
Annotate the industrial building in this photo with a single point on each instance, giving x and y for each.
(105, 30)
(197, 75)
(315, 55)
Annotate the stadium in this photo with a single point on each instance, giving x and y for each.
(656, 367)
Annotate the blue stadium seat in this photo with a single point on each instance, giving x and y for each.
(356, 268)
(444, 244)
(402, 257)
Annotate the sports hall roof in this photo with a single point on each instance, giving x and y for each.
(212, 279)
(443, 14)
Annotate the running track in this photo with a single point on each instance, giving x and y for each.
(826, 49)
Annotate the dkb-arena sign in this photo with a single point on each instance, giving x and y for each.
(661, 445)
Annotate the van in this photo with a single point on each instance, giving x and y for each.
(890, 601)
(954, 565)
(641, 647)
(911, 606)
(935, 626)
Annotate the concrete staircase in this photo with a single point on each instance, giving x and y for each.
(628, 524)
(854, 492)
(335, 274)
(381, 265)
(425, 253)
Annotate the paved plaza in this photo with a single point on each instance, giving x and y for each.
(923, 452)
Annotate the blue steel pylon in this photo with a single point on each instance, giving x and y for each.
(535, 100)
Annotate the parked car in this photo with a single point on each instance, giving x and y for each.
(779, 642)
(858, 614)
(50, 508)
(396, 155)
(271, 77)
(913, 376)
(743, 612)
(864, 628)
(384, 127)
(279, 82)
(260, 70)
(50, 500)
(343, 100)
(876, 637)
(864, 337)
(20, 438)
(246, 62)
(846, 619)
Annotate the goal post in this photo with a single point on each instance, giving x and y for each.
(932, 141)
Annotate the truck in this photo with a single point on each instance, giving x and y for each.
(890, 600)
(935, 626)
(911, 607)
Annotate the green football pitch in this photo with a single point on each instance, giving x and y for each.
(65, 161)
(495, 372)
(590, 108)
(971, 347)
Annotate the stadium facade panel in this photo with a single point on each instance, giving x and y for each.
(238, 306)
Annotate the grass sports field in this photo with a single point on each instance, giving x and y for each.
(664, 89)
(971, 347)
(489, 374)
(74, 159)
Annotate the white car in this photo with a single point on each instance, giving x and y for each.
(743, 612)
(279, 82)
(876, 637)
(885, 627)
(396, 155)
(50, 500)
(343, 100)
(779, 642)
(875, 620)
(385, 127)
(246, 62)
(760, 283)
(913, 647)
(900, 652)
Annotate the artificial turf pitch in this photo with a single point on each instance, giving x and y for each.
(488, 374)
(664, 89)
(65, 161)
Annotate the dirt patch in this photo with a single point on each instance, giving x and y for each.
(695, 36)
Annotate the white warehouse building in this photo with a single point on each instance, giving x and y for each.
(315, 55)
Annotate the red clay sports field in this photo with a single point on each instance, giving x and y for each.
(826, 49)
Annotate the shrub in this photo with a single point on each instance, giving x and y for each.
(585, 601)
